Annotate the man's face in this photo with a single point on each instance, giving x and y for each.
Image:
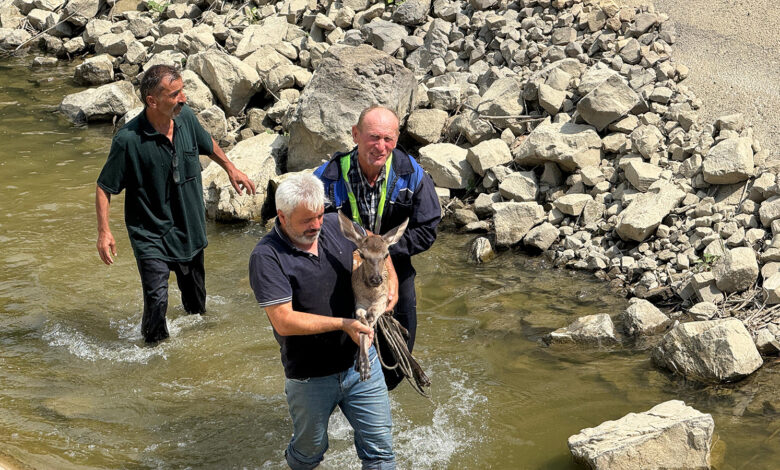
(170, 99)
(302, 226)
(376, 137)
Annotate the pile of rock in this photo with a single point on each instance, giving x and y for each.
(565, 118)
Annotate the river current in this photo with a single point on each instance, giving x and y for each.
(80, 390)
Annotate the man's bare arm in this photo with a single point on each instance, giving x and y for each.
(238, 179)
(289, 322)
(106, 245)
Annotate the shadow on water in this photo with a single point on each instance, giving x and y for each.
(81, 390)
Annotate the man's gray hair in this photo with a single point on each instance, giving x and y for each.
(299, 189)
(150, 82)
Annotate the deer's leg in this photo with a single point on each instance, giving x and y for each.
(363, 365)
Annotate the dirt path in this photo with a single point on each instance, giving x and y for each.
(732, 48)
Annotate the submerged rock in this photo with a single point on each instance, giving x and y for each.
(668, 436)
(589, 329)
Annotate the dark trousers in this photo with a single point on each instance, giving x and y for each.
(406, 314)
(191, 278)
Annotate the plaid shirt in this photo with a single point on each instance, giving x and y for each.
(367, 196)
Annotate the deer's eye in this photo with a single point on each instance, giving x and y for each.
(361, 255)
(387, 255)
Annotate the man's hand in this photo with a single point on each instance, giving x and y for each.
(353, 328)
(241, 182)
(106, 247)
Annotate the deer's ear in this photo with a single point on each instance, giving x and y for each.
(395, 234)
(348, 229)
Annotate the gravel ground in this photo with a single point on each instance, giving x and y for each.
(732, 48)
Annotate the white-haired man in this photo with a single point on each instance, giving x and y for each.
(300, 273)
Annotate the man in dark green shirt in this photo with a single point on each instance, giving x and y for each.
(154, 157)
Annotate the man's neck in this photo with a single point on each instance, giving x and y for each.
(371, 173)
(160, 122)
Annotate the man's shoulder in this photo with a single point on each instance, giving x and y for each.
(130, 131)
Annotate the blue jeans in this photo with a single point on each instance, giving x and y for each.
(366, 406)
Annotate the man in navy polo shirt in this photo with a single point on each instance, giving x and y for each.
(300, 273)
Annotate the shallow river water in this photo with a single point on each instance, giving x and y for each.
(79, 390)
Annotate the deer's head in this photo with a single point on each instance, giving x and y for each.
(373, 249)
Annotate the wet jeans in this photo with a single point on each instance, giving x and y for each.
(191, 279)
(365, 404)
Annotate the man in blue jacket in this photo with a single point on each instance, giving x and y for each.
(379, 186)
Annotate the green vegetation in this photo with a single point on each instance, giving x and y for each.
(156, 7)
(706, 262)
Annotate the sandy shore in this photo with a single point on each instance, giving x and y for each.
(732, 48)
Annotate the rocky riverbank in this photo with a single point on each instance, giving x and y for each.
(561, 127)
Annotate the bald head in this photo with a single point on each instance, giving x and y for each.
(378, 112)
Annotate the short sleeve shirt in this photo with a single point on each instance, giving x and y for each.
(318, 284)
(164, 209)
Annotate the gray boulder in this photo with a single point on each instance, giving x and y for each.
(542, 236)
(270, 31)
(519, 186)
(487, 154)
(447, 165)
(572, 204)
(643, 318)
(101, 103)
(513, 220)
(256, 157)
(435, 45)
(213, 120)
(641, 175)
(728, 162)
(503, 98)
(425, 125)
(571, 146)
(79, 12)
(736, 270)
(384, 35)
(232, 81)
(412, 12)
(608, 102)
(95, 70)
(645, 213)
(669, 435)
(589, 329)
(709, 351)
(114, 44)
(199, 96)
(348, 80)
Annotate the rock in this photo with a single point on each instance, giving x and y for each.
(257, 158)
(384, 35)
(709, 351)
(79, 12)
(519, 186)
(772, 289)
(412, 12)
(645, 213)
(503, 98)
(768, 343)
(488, 154)
(542, 236)
(425, 125)
(728, 162)
(175, 26)
(669, 435)
(643, 318)
(513, 220)
(769, 211)
(199, 97)
(102, 103)
(10, 16)
(136, 53)
(732, 122)
(588, 330)
(737, 270)
(95, 29)
(572, 204)
(608, 102)
(95, 70)
(270, 31)
(114, 44)
(354, 78)
(642, 175)
(42, 19)
(703, 311)
(213, 120)
(44, 61)
(435, 45)
(447, 165)
(646, 140)
(571, 146)
(232, 81)
(705, 289)
(481, 251)
(551, 99)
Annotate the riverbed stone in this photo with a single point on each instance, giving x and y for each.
(79, 12)
(426, 125)
(502, 99)
(232, 81)
(607, 102)
(768, 340)
(703, 311)
(542, 236)
(643, 216)
(354, 78)
(95, 70)
(590, 329)
(487, 154)
(709, 351)
(643, 318)
(669, 435)
(101, 103)
(519, 186)
(447, 165)
(114, 44)
(257, 158)
(728, 162)
(571, 146)
(513, 220)
(736, 270)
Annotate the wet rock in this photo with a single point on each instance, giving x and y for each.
(737, 270)
(645, 213)
(669, 435)
(608, 102)
(589, 329)
(354, 77)
(728, 162)
(513, 220)
(768, 340)
(643, 318)
(95, 70)
(571, 146)
(447, 165)
(232, 81)
(102, 103)
(481, 251)
(709, 351)
(425, 125)
(257, 157)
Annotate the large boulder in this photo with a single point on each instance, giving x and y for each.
(519, 186)
(412, 12)
(199, 96)
(435, 45)
(425, 125)
(736, 270)
(709, 351)
(728, 162)
(487, 154)
(257, 157)
(271, 30)
(101, 103)
(79, 12)
(571, 146)
(447, 165)
(643, 318)
(503, 99)
(542, 236)
(232, 81)
(590, 329)
(608, 102)
(513, 220)
(95, 70)
(669, 435)
(348, 80)
(647, 210)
